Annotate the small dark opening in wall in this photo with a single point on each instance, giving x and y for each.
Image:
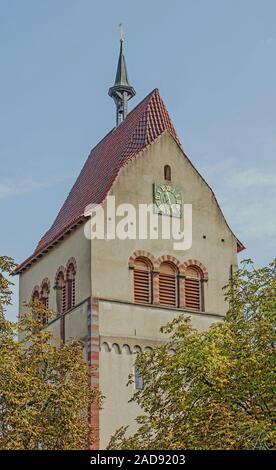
(167, 173)
(222, 239)
(204, 236)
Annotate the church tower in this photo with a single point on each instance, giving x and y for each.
(115, 292)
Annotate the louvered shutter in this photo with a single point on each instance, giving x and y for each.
(193, 289)
(142, 284)
(35, 296)
(63, 297)
(61, 293)
(167, 285)
(71, 287)
(45, 296)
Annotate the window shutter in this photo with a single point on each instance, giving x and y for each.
(35, 296)
(63, 297)
(142, 287)
(45, 296)
(45, 302)
(61, 293)
(193, 289)
(167, 285)
(71, 292)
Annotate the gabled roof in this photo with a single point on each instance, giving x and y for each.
(141, 127)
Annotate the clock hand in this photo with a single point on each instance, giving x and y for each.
(169, 199)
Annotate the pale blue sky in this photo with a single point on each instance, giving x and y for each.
(215, 65)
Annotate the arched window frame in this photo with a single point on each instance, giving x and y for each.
(167, 173)
(41, 294)
(35, 294)
(60, 287)
(168, 284)
(140, 280)
(194, 289)
(44, 292)
(70, 285)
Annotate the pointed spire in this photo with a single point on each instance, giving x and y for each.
(122, 91)
(121, 75)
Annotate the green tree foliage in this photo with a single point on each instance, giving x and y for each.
(44, 386)
(213, 389)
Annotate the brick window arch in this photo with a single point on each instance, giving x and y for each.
(168, 288)
(193, 288)
(60, 292)
(70, 286)
(142, 280)
(167, 173)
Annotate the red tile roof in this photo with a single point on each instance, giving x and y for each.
(141, 127)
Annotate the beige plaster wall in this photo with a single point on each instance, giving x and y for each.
(133, 325)
(111, 277)
(122, 322)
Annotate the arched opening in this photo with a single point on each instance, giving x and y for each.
(61, 293)
(126, 349)
(168, 284)
(41, 297)
(193, 294)
(142, 281)
(116, 348)
(167, 173)
(35, 295)
(45, 295)
(105, 347)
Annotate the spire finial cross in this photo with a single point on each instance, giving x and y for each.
(121, 33)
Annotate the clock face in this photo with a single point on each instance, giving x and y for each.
(168, 199)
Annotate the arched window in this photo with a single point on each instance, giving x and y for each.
(61, 293)
(142, 281)
(167, 173)
(193, 294)
(35, 295)
(71, 287)
(45, 295)
(168, 284)
(40, 296)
